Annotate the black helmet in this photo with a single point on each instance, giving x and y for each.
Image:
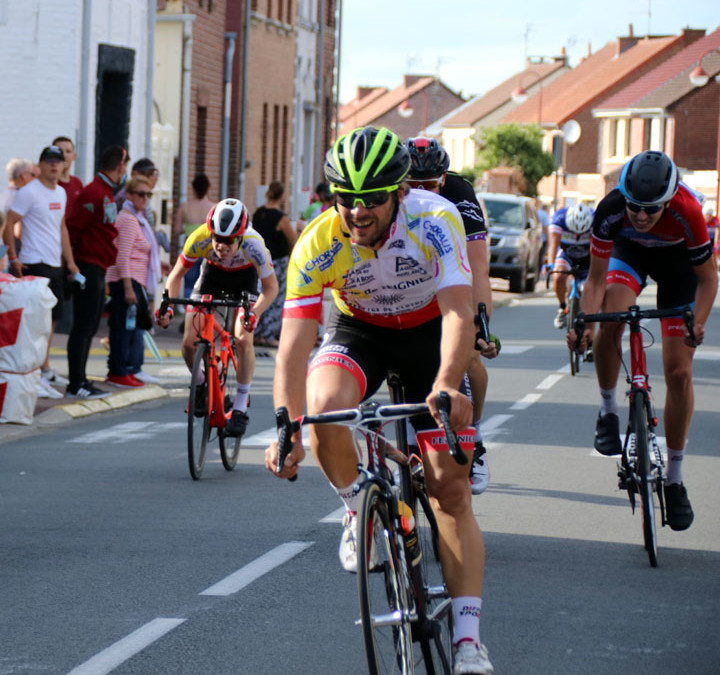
(649, 179)
(365, 160)
(429, 159)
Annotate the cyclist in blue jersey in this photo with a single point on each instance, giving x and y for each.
(650, 225)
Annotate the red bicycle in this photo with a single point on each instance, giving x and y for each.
(215, 365)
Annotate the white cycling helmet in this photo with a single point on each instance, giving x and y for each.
(579, 218)
(228, 218)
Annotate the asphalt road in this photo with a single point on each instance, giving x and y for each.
(113, 560)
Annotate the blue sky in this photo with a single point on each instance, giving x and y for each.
(473, 45)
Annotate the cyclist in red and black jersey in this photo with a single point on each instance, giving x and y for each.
(650, 225)
(429, 171)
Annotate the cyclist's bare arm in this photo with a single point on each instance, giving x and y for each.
(296, 342)
(553, 245)
(592, 298)
(707, 277)
(481, 289)
(456, 350)
(172, 286)
(268, 293)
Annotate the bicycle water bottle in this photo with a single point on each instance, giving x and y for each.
(131, 317)
(407, 522)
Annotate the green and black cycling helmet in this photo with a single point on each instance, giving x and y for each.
(649, 179)
(428, 158)
(367, 160)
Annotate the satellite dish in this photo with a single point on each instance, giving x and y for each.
(571, 132)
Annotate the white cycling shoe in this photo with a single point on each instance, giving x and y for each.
(348, 545)
(471, 658)
(479, 471)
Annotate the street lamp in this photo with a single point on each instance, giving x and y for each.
(520, 95)
(700, 78)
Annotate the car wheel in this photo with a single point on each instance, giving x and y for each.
(530, 281)
(518, 279)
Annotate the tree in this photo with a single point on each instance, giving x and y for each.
(516, 146)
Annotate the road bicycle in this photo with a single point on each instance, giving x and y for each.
(405, 609)
(642, 468)
(210, 403)
(572, 309)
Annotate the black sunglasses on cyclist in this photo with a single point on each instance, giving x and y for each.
(228, 241)
(650, 210)
(368, 200)
(425, 184)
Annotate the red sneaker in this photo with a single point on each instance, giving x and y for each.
(124, 381)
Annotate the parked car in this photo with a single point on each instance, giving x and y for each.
(516, 239)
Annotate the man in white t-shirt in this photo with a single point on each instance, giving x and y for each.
(40, 207)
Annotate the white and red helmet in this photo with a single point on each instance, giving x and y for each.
(228, 218)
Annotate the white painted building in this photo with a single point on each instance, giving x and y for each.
(75, 68)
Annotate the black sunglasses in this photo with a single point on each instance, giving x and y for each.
(144, 194)
(650, 210)
(369, 200)
(228, 241)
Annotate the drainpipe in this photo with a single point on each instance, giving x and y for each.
(295, 177)
(320, 90)
(81, 164)
(150, 73)
(338, 46)
(225, 156)
(244, 104)
(187, 20)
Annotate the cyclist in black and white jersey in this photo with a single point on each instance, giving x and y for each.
(429, 171)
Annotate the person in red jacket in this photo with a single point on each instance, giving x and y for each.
(91, 226)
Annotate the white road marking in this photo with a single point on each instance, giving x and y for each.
(127, 432)
(707, 355)
(110, 658)
(493, 423)
(661, 444)
(257, 568)
(549, 381)
(335, 516)
(526, 401)
(264, 438)
(515, 349)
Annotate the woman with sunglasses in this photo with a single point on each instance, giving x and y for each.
(233, 257)
(650, 225)
(136, 269)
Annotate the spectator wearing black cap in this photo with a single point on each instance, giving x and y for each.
(40, 208)
(91, 225)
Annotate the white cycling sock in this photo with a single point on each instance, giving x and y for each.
(674, 466)
(349, 494)
(478, 433)
(201, 376)
(466, 618)
(241, 397)
(608, 403)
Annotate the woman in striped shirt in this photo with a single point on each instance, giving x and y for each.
(136, 269)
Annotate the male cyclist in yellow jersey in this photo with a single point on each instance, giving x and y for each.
(429, 171)
(234, 257)
(397, 267)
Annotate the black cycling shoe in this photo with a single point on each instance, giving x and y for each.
(237, 424)
(201, 402)
(607, 435)
(677, 507)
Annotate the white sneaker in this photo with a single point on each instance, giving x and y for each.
(53, 378)
(348, 550)
(479, 471)
(560, 320)
(45, 390)
(471, 657)
(146, 377)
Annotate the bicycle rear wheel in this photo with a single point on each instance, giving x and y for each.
(436, 627)
(646, 479)
(383, 589)
(573, 309)
(198, 421)
(229, 445)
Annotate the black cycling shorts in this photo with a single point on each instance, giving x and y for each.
(226, 284)
(370, 352)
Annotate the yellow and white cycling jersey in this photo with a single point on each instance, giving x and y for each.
(251, 252)
(393, 286)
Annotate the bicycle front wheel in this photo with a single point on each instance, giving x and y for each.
(229, 445)
(383, 589)
(436, 627)
(646, 479)
(573, 310)
(198, 413)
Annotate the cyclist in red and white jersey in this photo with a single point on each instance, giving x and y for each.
(397, 267)
(650, 225)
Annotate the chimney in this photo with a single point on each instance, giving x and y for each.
(630, 30)
(410, 80)
(362, 92)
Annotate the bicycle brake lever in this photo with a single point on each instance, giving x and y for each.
(443, 404)
(689, 320)
(284, 429)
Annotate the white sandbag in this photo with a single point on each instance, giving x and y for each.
(25, 322)
(18, 396)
